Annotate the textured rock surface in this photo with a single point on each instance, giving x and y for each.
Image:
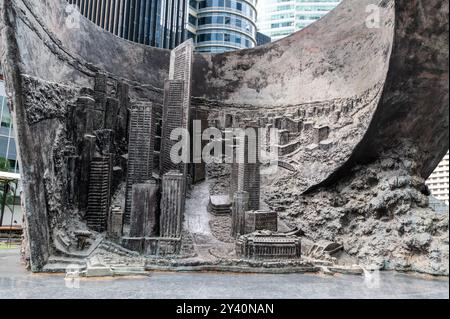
(379, 213)
(382, 92)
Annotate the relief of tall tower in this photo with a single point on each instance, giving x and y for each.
(172, 204)
(140, 149)
(249, 176)
(174, 92)
(99, 193)
(177, 102)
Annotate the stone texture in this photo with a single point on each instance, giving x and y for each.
(379, 213)
(144, 220)
(260, 220)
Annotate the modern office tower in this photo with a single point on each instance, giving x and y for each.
(222, 25)
(158, 23)
(279, 19)
(438, 182)
(9, 164)
(8, 153)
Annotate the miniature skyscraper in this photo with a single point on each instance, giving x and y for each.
(198, 166)
(172, 119)
(172, 204)
(140, 150)
(145, 210)
(99, 193)
(177, 101)
(249, 178)
(100, 88)
(234, 176)
(115, 223)
(240, 206)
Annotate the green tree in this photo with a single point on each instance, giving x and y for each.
(4, 164)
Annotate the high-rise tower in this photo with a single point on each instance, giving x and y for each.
(159, 23)
(278, 19)
(438, 182)
(220, 26)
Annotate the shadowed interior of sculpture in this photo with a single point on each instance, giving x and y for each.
(360, 110)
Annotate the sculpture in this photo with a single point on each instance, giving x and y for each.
(362, 110)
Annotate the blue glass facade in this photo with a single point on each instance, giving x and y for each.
(223, 25)
(11, 209)
(8, 153)
(159, 23)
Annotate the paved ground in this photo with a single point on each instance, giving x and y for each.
(17, 283)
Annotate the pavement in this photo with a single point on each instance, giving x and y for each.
(16, 282)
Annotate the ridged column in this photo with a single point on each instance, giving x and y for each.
(240, 206)
(172, 205)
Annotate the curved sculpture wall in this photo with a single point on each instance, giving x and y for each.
(349, 94)
(330, 74)
(341, 58)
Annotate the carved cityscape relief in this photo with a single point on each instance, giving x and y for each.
(104, 185)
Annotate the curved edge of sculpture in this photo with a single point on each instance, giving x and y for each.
(364, 106)
(415, 95)
(328, 76)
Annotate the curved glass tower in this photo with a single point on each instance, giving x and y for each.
(223, 25)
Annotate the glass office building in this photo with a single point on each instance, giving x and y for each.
(8, 153)
(222, 25)
(280, 18)
(158, 23)
(11, 213)
(438, 182)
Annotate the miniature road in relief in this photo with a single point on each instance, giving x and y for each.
(15, 282)
(197, 221)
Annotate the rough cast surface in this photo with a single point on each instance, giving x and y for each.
(366, 110)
